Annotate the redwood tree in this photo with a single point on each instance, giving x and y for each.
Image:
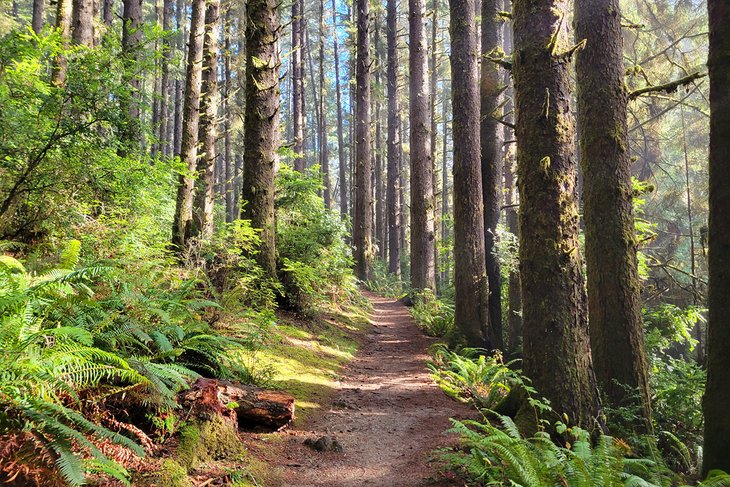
(261, 125)
(555, 326)
(614, 301)
(717, 393)
(422, 205)
(470, 280)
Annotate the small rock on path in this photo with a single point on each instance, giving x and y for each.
(388, 415)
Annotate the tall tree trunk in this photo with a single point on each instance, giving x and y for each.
(297, 46)
(131, 45)
(556, 344)
(717, 393)
(38, 12)
(470, 280)
(83, 22)
(63, 26)
(108, 12)
(614, 301)
(228, 162)
(342, 168)
(422, 206)
(491, 156)
(324, 159)
(261, 125)
(208, 133)
(393, 156)
(445, 189)
(380, 199)
(434, 138)
(363, 217)
(181, 229)
(166, 122)
(179, 83)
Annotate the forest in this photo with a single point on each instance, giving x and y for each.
(337, 243)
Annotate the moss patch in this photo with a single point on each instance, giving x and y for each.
(172, 474)
(206, 441)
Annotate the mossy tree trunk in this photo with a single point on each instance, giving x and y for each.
(393, 151)
(208, 132)
(555, 326)
(490, 138)
(182, 222)
(363, 215)
(717, 394)
(470, 279)
(261, 126)
(614, 301)
(422, 202)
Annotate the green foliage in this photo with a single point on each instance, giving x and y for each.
(677, 382)
(315, 261)
(434, 316)
(474, 376)
(502, 456)
(59, 157)
(69, 335)
(384, 283)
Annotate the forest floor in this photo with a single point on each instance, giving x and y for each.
(386, 416)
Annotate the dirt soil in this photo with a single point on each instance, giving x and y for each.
(387, 415)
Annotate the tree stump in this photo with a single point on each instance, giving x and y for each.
(251, 406)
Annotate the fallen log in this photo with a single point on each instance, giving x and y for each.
(253, 407)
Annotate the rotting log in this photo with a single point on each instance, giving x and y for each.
(254, 407)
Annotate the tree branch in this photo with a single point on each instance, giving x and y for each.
(667, 87)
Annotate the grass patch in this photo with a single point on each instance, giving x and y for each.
(307, 355)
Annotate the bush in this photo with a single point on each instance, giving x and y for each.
(434, 316)
(314, 259)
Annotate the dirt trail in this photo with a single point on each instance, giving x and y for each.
(388, 415)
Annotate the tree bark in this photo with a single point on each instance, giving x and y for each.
(363, 217)
(379, 173)
(108, 12)
(181, 229)
(614, 301)
(717, 393)
(83, 22)
(422, 206)
(131, 43)
(63, 26)
(470, 280)
(490, 164)
(208, 132)
(555, 327)
(38, 12)
(393, 154)
(445, 268)
(228, 162)
(433, 102)
(261, 126)
(297, 46)
(165, 121)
